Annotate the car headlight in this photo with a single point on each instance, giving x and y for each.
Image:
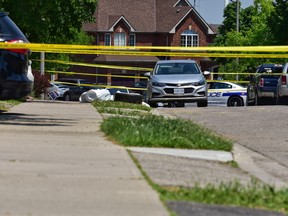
(154, 83)
(201, 82)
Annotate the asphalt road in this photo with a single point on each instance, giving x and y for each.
(262, 129)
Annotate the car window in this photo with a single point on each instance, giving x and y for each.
(218, 85)
(177, 68)
(272, 69)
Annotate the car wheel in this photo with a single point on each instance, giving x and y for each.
(152, 104)
(180, 104)
(128, 97)
(249, 101)
(202, 103)
(281, 100)
(235, 101)
(257, 100)
(67, 97)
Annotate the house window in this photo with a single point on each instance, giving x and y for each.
(132, 41)
(119, 39)
(107, 40)
(189, 38)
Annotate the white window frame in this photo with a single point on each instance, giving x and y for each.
(107, 39)
(189, 38)
(119, 39)
(134, 40)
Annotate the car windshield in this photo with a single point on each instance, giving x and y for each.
(177, 68)
(275, 69)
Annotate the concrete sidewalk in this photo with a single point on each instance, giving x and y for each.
(55, 161)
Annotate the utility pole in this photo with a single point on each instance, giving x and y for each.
(237, 16)
(237, 30)
(42, 68)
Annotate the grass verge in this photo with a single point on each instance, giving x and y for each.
(256, 195)
(5, 105)
(156, 131)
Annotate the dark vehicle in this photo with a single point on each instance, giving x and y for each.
(76, 88)
(14, 63)
(73, 82)
(74, 93)
(262, 88)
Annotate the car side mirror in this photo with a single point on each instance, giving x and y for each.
(147, 74)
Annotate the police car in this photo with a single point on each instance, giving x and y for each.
(226, 94)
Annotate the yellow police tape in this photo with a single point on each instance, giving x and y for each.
(98, 65)
(89, 74)
(98, 86)
(44, 47)
(175, 54)
(131, 68)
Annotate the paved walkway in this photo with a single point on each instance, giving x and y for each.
(55, 161)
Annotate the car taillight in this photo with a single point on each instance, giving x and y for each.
(283, 80)
(261, 83)
(21, 51)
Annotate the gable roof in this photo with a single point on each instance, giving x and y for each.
(143, 15)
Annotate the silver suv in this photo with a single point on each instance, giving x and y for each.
(282, 87)
(177, 82)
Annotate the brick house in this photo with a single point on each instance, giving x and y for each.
(145, 23)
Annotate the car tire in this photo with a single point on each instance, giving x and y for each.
(235, 101)
(66, 97)
(281, 100)
(180, 104)
(152, 104)
(203, 103)
(128, 97)
(258, 101)
(249, 101)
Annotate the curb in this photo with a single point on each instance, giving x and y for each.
(221, 156)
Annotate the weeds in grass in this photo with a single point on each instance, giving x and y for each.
(255, 195)
(103, 106)
(157, 131)
(5, 105)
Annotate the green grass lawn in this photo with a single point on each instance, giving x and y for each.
(5, 105)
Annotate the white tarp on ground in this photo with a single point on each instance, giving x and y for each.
(98, 94)
(95, 94)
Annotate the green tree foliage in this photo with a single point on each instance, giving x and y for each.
(46, 21)
(277, 23)
(52, 22)
(252, 32)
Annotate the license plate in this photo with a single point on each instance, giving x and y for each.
(178, 91)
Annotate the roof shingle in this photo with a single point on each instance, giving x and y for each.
(142, 15)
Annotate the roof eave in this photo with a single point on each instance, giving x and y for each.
(121, 18)
(209, 30)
